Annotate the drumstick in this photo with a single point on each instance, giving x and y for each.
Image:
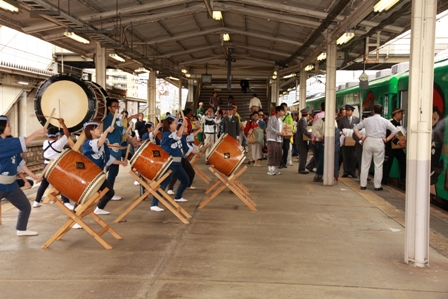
(127, 151)
(59, 112)
(46, 116)
(48, 120)
(115, 117)
(144, 109)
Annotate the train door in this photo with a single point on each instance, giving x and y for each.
(404, 105)
(386, 106)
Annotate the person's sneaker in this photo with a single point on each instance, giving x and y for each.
(318, 179)
(170, 192)
(76, 226)
(26, 233)
(36, 204)
(99, 211)
(116, 197)
(181, 200)
(290, 164)
(191, 188)
(271, 173)
(69, 206)
(278, 172)
(156, 209)
(136, 183)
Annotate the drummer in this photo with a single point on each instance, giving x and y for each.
(10, 163)
(172, 144)
(94, 149)
(114, 139)
(52, 148)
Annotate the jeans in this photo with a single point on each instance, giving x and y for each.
(178, 172)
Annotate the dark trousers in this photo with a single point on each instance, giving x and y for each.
(188, 169)
(349, 160)
(401, 158)
(303, 154)
(179, 172)
(320, 158)
(285, 148)
(107, 197)
(112, 174)
(18, 199)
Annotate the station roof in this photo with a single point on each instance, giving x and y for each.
(171, 35)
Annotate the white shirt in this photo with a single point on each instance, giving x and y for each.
(58, 145)
(376, 126)
(255, 102)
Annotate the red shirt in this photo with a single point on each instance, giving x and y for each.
(250, 124)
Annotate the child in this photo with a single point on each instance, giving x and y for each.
(149, 129)
(172, 144)
(94, 149)
(10, 163)
(52, 148)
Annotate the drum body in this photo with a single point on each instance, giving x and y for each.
(226, 155)
(151, 161)
(76, 101)
(75, 176)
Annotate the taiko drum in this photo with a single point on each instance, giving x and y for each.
(151, 160)
(75, 176)
(226, 155)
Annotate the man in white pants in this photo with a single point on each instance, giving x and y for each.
(374, 145)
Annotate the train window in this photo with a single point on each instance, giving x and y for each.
(386, 106)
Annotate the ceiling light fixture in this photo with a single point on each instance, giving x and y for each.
(23, 82)
(289, 76)
(142, 70)
(309, 67)
(187, 75)
(384, 5)
(348, 35)
(76, 37)
(217, 15)
(274, 77)
(9, 5)
(184, 71)
(173, 78)
(116, 57)
(322, 56)
(225, 37)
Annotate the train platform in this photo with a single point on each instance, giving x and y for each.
(304, 241)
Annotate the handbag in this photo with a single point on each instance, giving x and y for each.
(251, 138)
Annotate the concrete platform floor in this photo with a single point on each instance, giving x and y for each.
(305, 241)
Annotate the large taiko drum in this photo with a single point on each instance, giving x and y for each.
(75, 176)
(76, 101)
(151, 161)
(226, 155)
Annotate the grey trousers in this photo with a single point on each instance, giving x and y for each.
(21, 202)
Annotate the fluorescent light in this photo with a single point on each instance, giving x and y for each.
(23, 82)
(142, 70)
(217, 15)
(289, 76)
(309, 67)
(173, 78)
(225, 37)
(322, 56)
(76, 37)
(116, 57)
(9, 5)
(384, 5)
(348, 35)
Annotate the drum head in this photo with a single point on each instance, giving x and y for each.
(70, 97)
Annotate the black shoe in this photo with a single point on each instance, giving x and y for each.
(303, 172)
(310, 170)
(363, 188)
(379, 189)
(281, 166)
(354, 176)
(345, 175)
(318, 179)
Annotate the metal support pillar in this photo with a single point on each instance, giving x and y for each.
(152, 97)
(190, 96)
(330, 106)
(100, 65)
(421, 78)
(180, 95)
(303, 77)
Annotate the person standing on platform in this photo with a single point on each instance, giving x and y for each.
(210, 124)
(348, 152)
(373, 145)
(231, 124)
(274, 137)
(302, 145)
(255, 153)
(139, 127)
(398, 153)
(215, 101)
(231, 101)
(286, 146)
(114, 140)
(52, 148)
(10, 164)
(255, 104)
(201, 111)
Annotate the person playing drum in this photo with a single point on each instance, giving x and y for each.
(149, 129)
(10, 164)
(52, 148)
(172, 144)
(94, 149)
(114, 139)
